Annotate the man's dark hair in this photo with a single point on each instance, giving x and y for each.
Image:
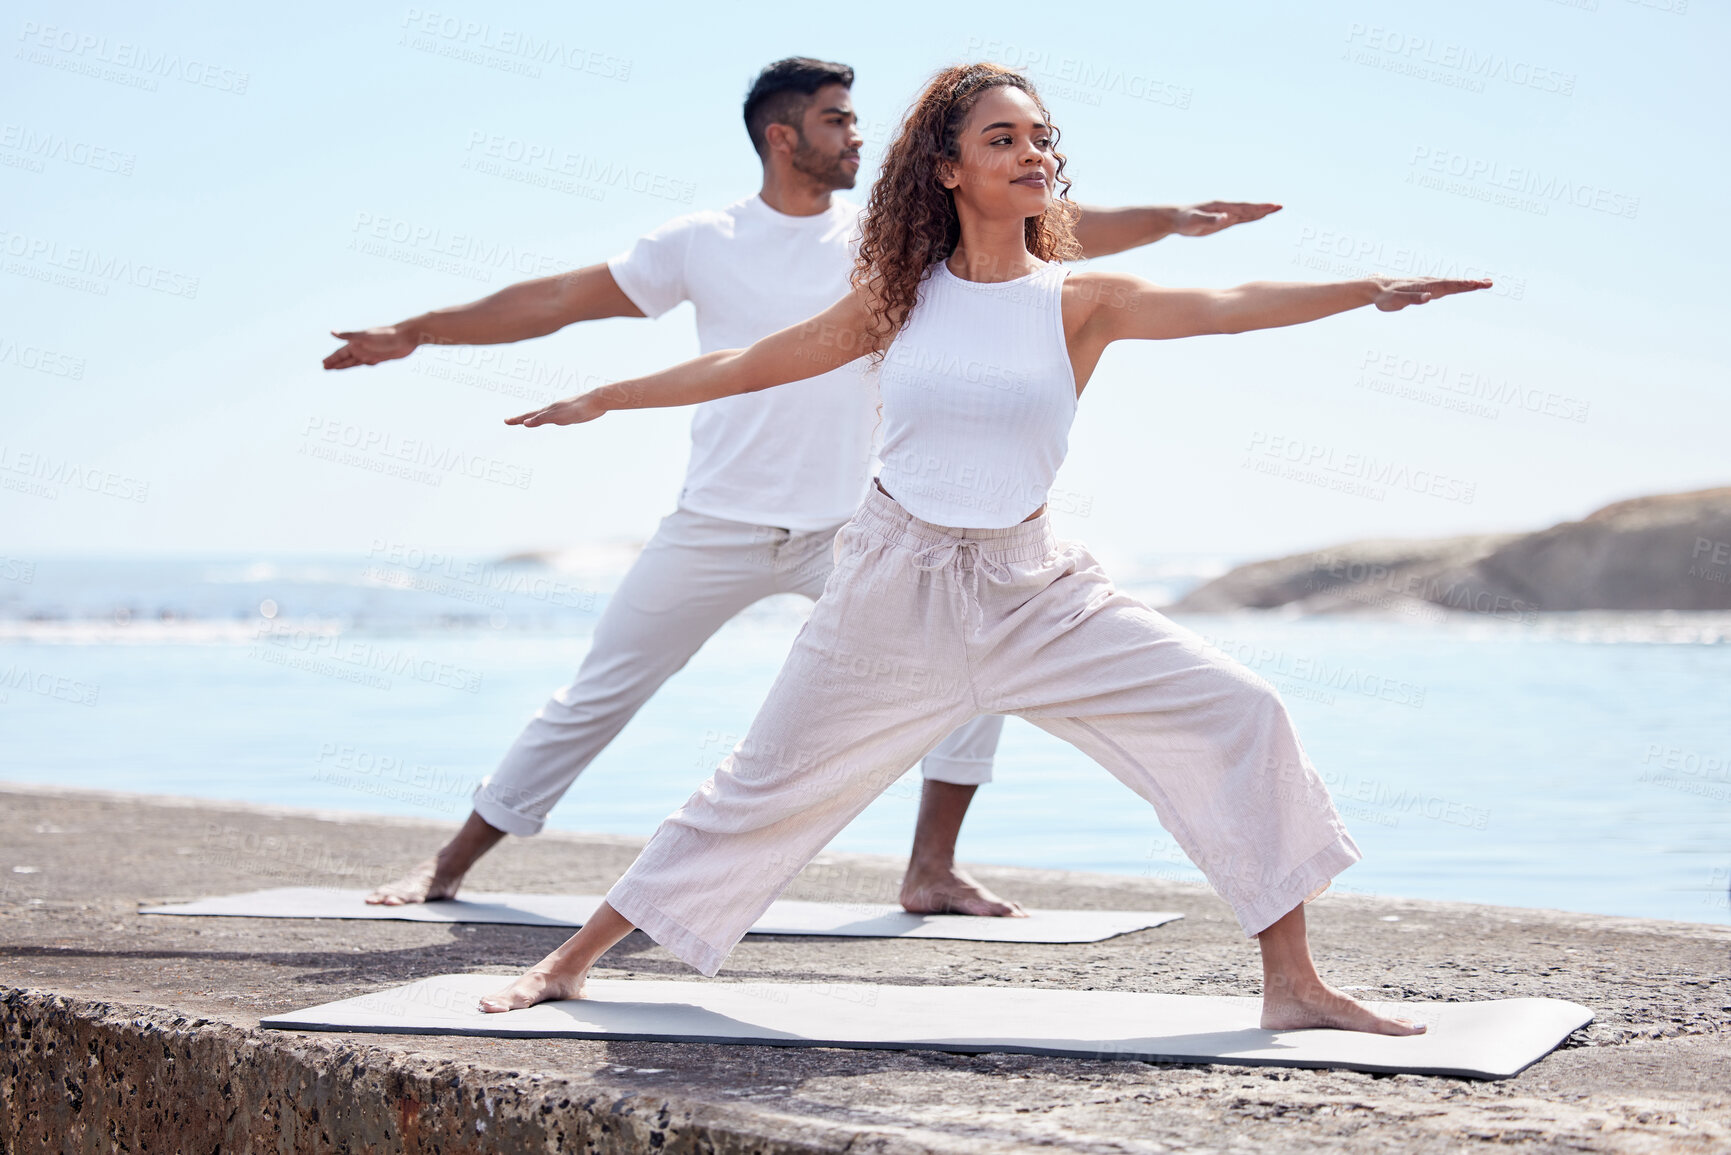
(782, 92)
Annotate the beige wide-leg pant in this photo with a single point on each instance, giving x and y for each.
(695, 574)
(922, 627)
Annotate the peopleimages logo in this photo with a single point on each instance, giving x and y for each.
(431, 246)
(1383, 371)
(483, 583)
(16, 677)
(501, 46)
(1459, 65)
(43, 146)
(1078, 78)
(365, 662)
(328, 438)
(88, 53)
(582, 168)
(1492, 175)
(40, 360)
(45, 473)
(1360, 468)
(1299, 669)
(103, 268)
(966, 484)
(1345, 254)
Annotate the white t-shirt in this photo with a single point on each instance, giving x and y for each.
(798, 455)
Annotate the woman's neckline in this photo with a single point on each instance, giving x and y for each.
(945, 266)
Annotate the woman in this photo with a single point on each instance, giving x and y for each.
(951, 597)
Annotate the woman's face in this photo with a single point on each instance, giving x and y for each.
(1006, 168)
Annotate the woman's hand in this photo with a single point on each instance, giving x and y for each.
(1399, 292)
(571, 411)
(1207, 219)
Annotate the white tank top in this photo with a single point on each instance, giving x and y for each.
(978, 397)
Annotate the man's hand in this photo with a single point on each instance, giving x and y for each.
(370, 346)
(1399, 292)
(571, 411)
(1205, 220)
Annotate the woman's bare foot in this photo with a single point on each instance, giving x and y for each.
(422, 884)
(1294, 997)
(951, 890)
(560, 975)
(535, 985)
(1320, 1005)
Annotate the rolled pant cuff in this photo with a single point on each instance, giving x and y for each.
(501, 817)
(1306, 882)
(957, 771)
(652, 921)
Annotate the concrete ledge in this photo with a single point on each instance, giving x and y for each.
(94, 1076)
(125, 1033)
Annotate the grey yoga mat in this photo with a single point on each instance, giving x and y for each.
(856, 920)
(1487, 1040)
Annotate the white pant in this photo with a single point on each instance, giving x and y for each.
(923, 627)
(695, 574)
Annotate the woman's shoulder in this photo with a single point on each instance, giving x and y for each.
(1095, 278)
(1090, 288)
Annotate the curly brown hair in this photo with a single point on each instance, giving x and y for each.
(911, 223)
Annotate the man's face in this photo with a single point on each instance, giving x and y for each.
(828, 148)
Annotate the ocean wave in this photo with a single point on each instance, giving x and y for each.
(1595, 627)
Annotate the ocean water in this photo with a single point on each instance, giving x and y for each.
(1579, 762)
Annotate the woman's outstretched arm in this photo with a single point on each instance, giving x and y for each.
(827, 341)
(1123, 307)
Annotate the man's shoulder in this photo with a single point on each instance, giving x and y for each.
(700, 221)
(731, 220)
(752, 208)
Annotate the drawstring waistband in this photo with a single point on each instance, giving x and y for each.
(936, 547)
(939, 554)
(883, 516)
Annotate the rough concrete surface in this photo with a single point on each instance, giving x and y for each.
(131, 1033)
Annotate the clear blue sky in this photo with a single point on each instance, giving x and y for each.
(191, 200)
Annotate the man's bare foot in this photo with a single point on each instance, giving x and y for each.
(534, 986)
(1320, 1005)
(424, 883)
(952, 890)
(441, 875)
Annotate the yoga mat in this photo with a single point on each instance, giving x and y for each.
(855, 920)
(1484, 1040)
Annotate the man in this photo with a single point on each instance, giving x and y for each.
(772, 475)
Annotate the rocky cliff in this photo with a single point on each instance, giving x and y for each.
(1669, 552)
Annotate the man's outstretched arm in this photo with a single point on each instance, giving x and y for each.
(517, 313)
(1102, 231)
